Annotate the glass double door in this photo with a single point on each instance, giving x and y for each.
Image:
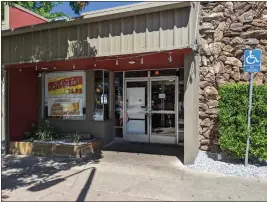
(151, 110)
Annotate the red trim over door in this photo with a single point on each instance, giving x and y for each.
(154, 60)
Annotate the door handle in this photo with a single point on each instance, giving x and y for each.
(148, 114)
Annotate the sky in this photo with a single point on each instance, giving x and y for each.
(65, 8)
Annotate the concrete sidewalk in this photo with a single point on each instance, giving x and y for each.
(119, 176)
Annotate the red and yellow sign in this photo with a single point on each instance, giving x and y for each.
(65, 85)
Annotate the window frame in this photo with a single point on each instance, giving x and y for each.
(104, 117)
(44, 102)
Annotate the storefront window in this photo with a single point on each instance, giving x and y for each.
(101, 107)
(118, 104)
(65, 95)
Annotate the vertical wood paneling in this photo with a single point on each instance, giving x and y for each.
(156, 25)
(20, 53)
(54, 43)
(28, 47)
(5, 53)
(83, 43)
(122, 35)
(78, 42)
(160, 30)
(105, 40)
(58, 43)
(98, 42)
(64, 35)
(128, 34)
(13, 48)
(115, 36)
(146, 27)
(93, 38)
(134, 33)
(72, 42)
(175, 29)
(44, 45)
(36, 46)
(183, 26)
(147, 32)
(170, 26)
(140, 33)
(109, 38)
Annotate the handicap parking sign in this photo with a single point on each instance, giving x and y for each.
(252, 60)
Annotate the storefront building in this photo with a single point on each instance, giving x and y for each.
(129, 72)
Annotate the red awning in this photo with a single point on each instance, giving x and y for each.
(152, 60)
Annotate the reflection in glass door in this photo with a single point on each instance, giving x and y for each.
(163, 111)
(135, 113)
(151, 111)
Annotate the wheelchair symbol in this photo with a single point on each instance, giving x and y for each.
(251, 59)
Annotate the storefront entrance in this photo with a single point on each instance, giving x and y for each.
(151, 109)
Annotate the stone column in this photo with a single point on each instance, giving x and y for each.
(226, 30)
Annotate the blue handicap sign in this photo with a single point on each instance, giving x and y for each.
(252, 60)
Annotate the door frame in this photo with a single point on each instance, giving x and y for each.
(149, 138)
(135, 137)
(165, 139)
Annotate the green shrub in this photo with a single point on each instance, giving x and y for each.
(233, 119)
(46, 131)
(75, 137)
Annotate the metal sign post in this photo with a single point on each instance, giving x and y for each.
(252, 63)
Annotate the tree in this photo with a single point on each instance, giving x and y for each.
(44, 8)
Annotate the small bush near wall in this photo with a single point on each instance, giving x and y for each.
(233, 116)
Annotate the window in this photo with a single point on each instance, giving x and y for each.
(118, 104)
(101, 106)
(65, 95)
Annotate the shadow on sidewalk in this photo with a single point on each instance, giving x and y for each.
(48, 184)
(23, 171)
(86, 187)
(147, 148)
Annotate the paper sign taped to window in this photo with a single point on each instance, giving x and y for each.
(162, 96)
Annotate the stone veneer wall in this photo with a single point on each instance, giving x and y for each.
(226, 29)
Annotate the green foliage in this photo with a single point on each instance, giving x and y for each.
(75, 138)
(233, 117)
(31, 135)
(44, 8)
(46, 131)
(78, 6)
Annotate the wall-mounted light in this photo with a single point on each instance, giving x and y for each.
(44, 68)
(131, 62)
(54, 67)
(74, 66)
(95, 65)
(117, 62)
(20, 70)
(36, 68)
(142, 61)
